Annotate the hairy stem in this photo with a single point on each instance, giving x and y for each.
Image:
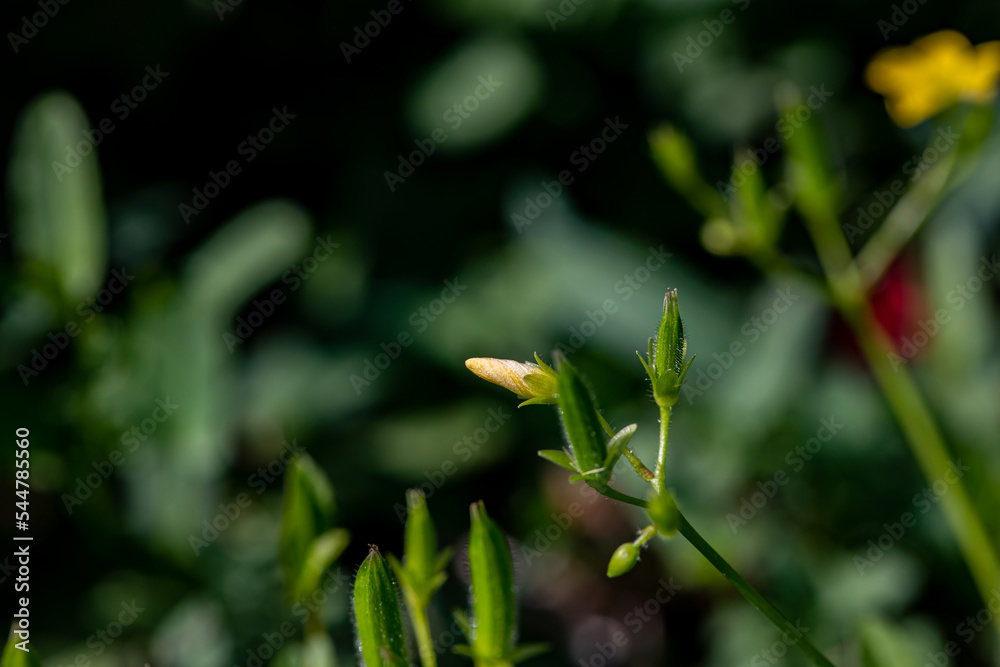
(660, 474)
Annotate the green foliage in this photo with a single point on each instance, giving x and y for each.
(308, 545)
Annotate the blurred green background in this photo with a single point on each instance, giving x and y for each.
(269, 316)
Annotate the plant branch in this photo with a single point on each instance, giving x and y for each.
(793, 635)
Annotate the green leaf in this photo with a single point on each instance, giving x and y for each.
(323, 551)
(15, 657)
(59, 225)
(307, 512)
(580, 419)
(560, 458)
(617, 444)
(491, 570)
(378, 620)
(528, 651)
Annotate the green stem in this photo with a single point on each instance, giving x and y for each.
(645, 536)
(907, 405)
(928, 446)
(608, 492)
(660, 474)
(786, 627)
(422, 630)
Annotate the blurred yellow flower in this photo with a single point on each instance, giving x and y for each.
(932, 74)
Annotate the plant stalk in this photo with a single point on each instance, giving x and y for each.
(923, 436)
(787, 628)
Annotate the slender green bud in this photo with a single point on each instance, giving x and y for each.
(665, 362)
(494, 607)
(420, 545)
(378, 620)
(623, 559)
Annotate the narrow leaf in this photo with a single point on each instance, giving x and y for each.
(580, 419)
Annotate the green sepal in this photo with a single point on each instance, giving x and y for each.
(580, 419)
(491, 571)
(560, 458)
(378, 620)
(617, 444)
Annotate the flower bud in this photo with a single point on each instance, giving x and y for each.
(534, 382)
(623, 559)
